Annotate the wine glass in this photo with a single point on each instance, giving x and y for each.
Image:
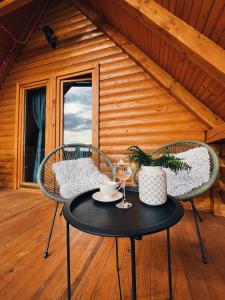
(123, 172)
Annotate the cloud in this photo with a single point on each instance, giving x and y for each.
(76, 123)
(79, 95)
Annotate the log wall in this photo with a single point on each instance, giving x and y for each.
(134, 109)
(218, 191)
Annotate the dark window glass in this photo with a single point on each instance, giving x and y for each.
(34, 142)
(77, 97)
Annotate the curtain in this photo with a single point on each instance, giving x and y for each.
(38, 102)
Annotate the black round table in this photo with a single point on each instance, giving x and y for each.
(105, 219)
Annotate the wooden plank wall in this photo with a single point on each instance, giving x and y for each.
(218, 192)
(134, 109)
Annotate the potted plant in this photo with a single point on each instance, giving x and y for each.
(152, 177)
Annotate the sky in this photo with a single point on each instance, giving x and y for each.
(78, 115)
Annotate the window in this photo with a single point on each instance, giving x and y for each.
(77, 110)
(51, 112)
(34, 132)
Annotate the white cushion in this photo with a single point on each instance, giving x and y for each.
(185, 181)
(77, 176)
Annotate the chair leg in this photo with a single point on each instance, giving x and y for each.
(196, 211)
(45, 255)
(118, 269)
(201, 243)
(61, 212)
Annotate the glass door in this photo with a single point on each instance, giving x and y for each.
(33, 116)
(77, 110)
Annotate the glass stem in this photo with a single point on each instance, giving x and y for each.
(124, 192)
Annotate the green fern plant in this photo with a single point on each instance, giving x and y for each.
(165, 160)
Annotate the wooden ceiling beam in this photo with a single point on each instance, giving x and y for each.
(204, 52)
(7, 6)
(194, 105)
(216, 134)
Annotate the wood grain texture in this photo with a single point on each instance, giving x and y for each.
(25, 274)
(20, 28)
(206, 16)
(217, 194)
(183, 37)
(174, 61)
(132, 104)
(216, 135)
(164, 79)
(8, 6)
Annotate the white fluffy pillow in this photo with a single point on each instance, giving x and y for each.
(185, 181)
(77, 176)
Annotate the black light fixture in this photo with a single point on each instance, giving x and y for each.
(50, 36)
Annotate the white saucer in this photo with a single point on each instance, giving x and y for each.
(99, 197)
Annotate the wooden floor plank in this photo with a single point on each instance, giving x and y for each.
(24, 274)
(209, 274)
(214, 236)
(180, 282)
(107, 279)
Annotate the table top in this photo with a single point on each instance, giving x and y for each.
(105, 219)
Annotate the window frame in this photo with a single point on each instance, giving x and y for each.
(54, 110)
(95, 104)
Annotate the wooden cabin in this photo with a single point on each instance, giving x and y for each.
(147, 73)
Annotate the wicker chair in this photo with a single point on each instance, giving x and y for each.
(181, 146)
(46, 177)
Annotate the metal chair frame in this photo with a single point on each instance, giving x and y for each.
(181, 146)
(46, 177)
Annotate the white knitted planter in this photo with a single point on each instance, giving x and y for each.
(152, 185)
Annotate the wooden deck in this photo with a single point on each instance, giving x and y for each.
(24, 274)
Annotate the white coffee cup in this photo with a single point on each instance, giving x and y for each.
(108, 189)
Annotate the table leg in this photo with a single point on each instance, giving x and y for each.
(68, 260)
(169, 265)
(133, 264)
(117, 268)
